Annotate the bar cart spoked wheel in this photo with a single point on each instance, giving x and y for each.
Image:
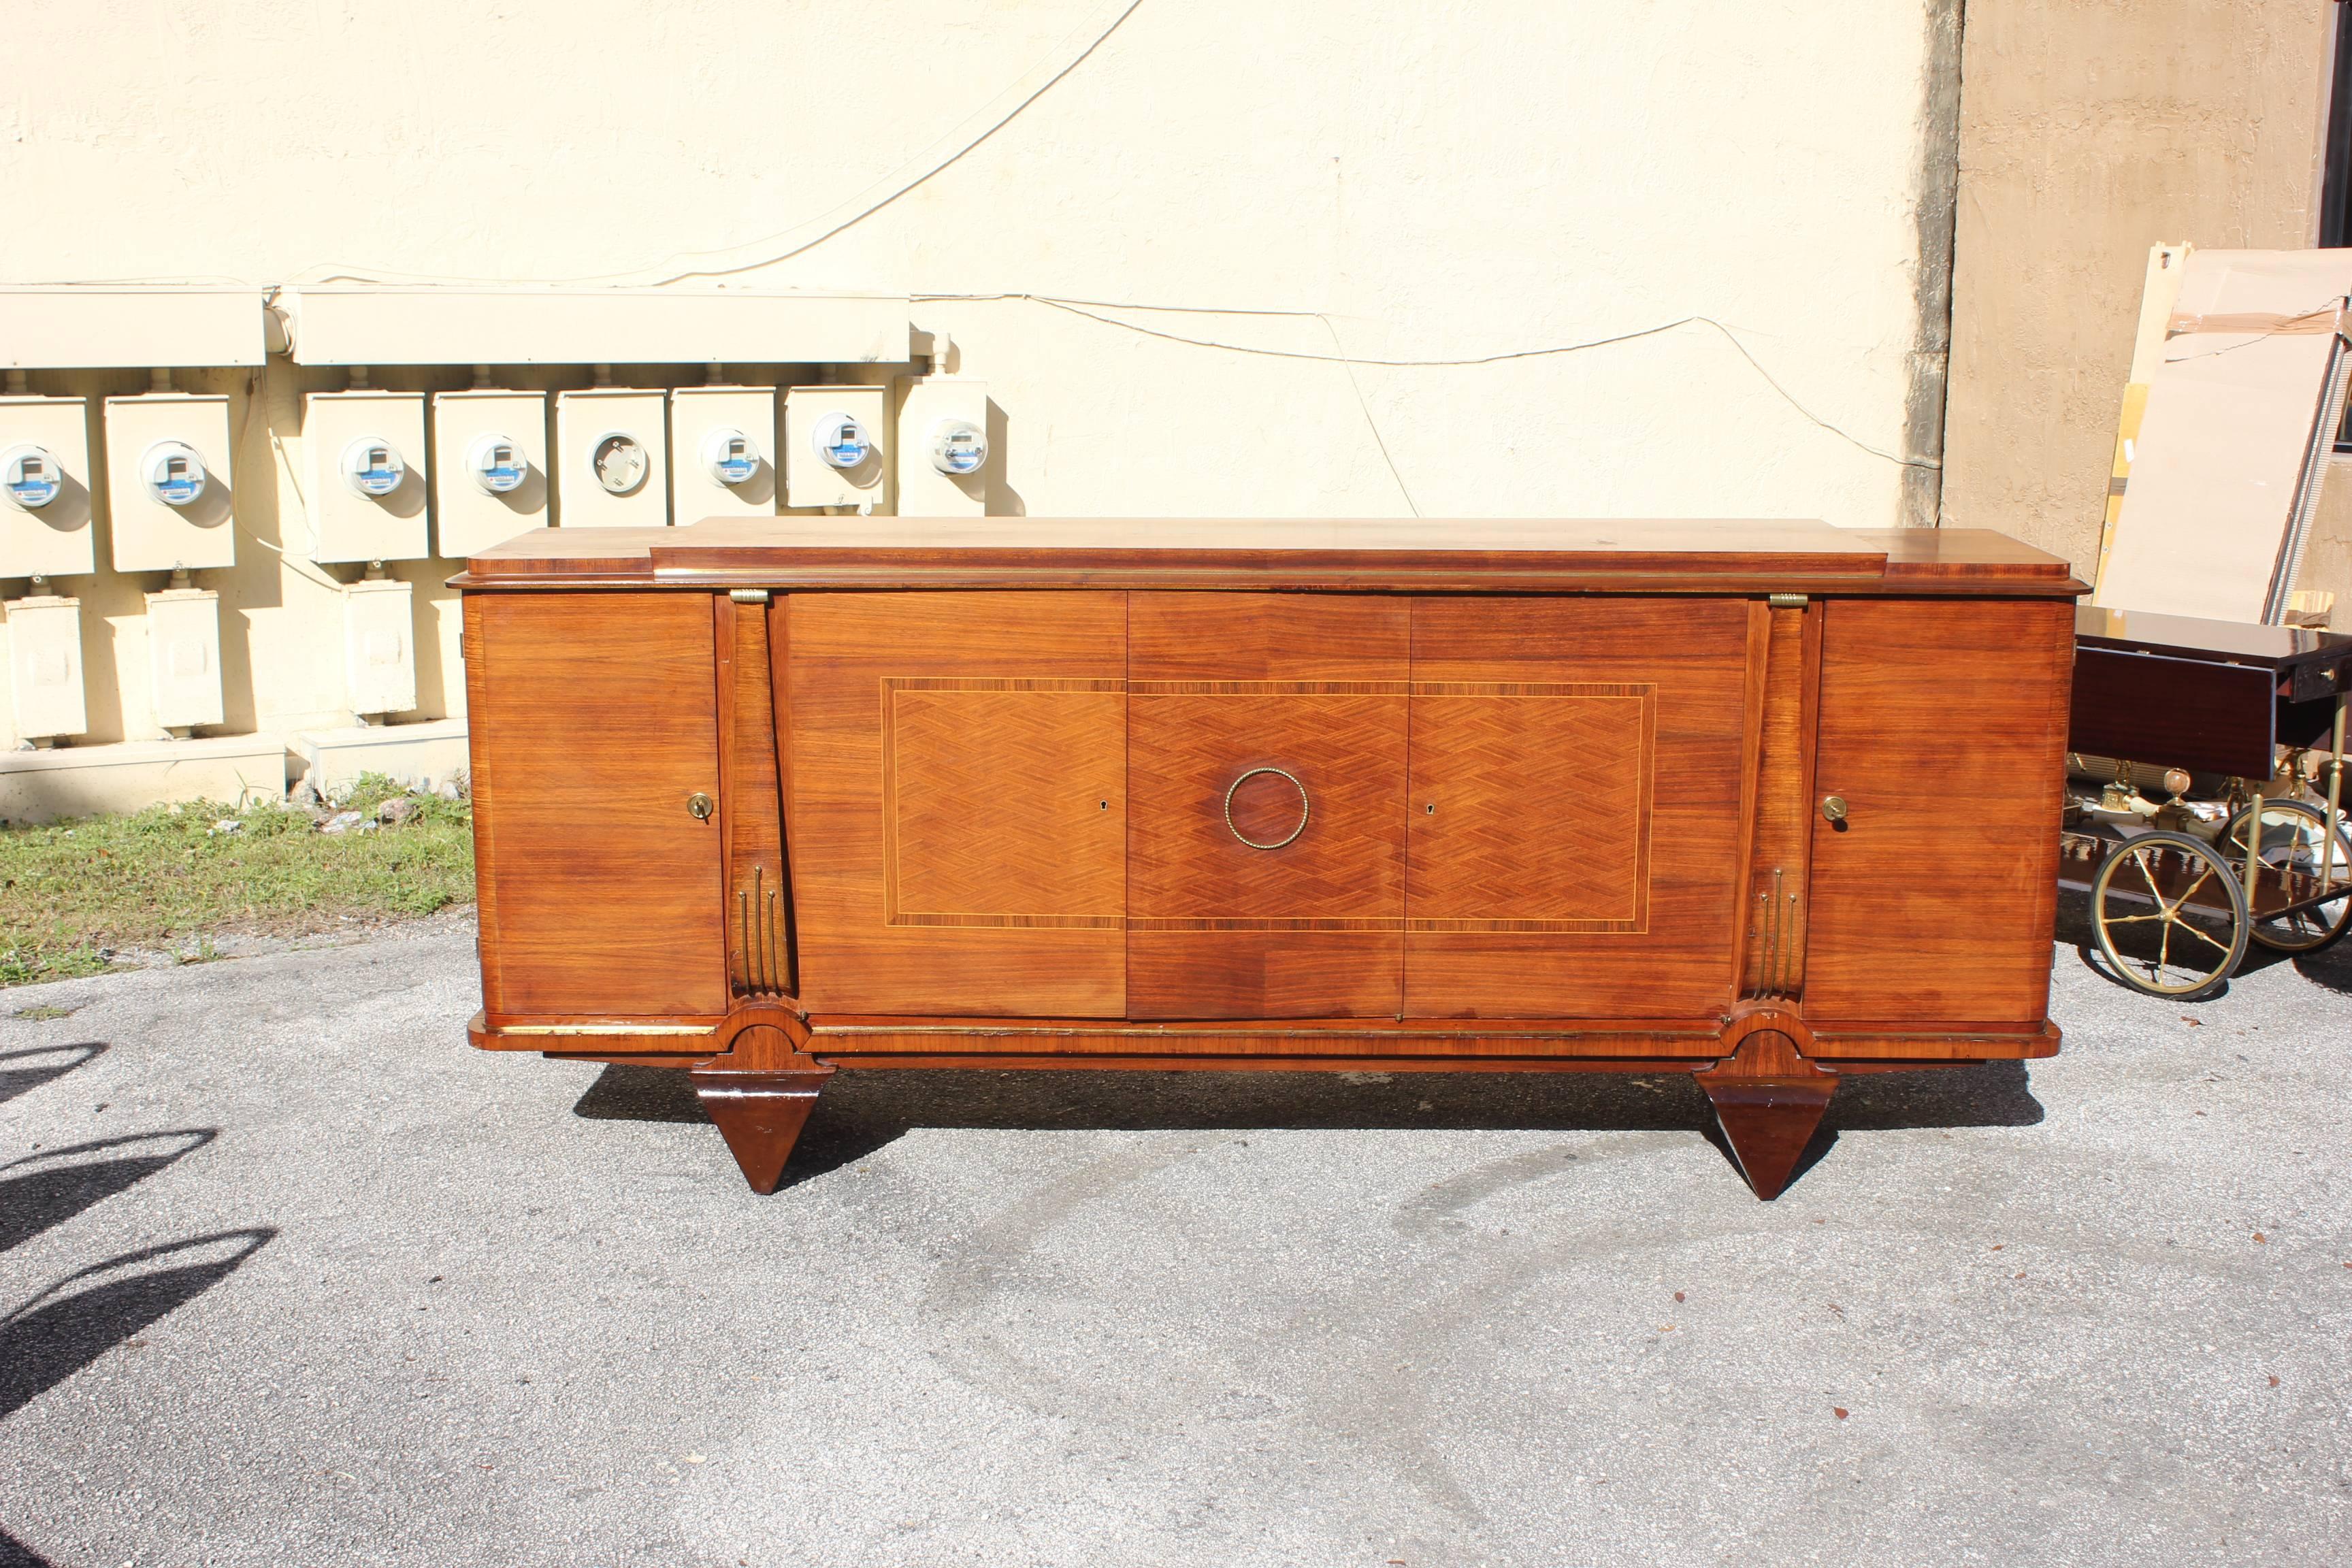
(2294, 838)
(2228, 832)
(2180, 891)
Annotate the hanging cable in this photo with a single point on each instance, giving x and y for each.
(783, 246)
(1076, 308)
(1371, 423)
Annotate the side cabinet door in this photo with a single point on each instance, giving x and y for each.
(1578, 770)
(1943, 728)
(1265, 868)
(958, 817)
(594, 722)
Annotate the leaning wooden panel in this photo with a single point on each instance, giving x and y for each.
(595, 725)
(1577, 782)
(1266, 771)
(958, 812)
(1943, 729)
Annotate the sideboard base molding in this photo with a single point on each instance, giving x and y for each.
(1768, 1077)
(1344, 1045)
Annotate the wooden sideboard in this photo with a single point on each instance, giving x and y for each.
(1765, 802)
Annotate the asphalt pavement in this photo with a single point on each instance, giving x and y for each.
(293, 1276)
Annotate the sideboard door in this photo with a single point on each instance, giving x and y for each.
(1577, 782)
(1268, 769)
(594, 722)
(1943, 728)
(958, 816)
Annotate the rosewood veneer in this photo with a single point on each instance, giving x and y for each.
(1765, 802)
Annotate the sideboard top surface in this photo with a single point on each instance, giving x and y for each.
(1374, 554)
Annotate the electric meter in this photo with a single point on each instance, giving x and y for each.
(841, 441)
(174, 474)
(729, 456)
(498, 466)
(372, 467)
(30, 477)
(619, 462)
(959, 446)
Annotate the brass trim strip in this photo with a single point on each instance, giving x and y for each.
(594, 1029)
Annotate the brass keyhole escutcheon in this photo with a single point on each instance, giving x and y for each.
(1235, 828)
(1834, 809)
(698, 807)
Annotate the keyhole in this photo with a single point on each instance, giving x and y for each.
(1102, 805)
(1431, 808)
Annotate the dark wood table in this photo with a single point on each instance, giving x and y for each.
(763, 800)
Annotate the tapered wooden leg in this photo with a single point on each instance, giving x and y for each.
(760, 1115)
(1769, 1100)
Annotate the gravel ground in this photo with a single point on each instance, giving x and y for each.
(293, 1276)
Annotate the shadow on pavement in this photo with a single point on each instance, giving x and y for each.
(862, 1111)
(22, 1071)
(50, 1187)
(2331, 967)
(15, 1554)
(93, 1310)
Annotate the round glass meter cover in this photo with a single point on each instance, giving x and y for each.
(31, 476)
(958, 447)
(841, 441)
(373, 466)
(497, 464)
(174, 474)
(619, 461)
(729, 456)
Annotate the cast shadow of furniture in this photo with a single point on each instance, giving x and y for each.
(15, 1554)
(2330, 966)
(52, 1185)
(89, 1311)
(863, 1111)
(24, 1071)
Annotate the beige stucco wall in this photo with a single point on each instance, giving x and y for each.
(1449, 181)
(2091, 131)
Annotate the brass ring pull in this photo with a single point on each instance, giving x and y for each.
(1288, 837)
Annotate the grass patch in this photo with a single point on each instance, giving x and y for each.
(170, 878)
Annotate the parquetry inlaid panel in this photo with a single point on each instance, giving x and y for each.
(1534, 802)
(1023, 830)
(1221, 684)
(1579, 780)
(1343, 741)
(958, 802)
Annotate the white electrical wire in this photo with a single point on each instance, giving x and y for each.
(752, 255)
(1078, 308)
(1371, 423)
